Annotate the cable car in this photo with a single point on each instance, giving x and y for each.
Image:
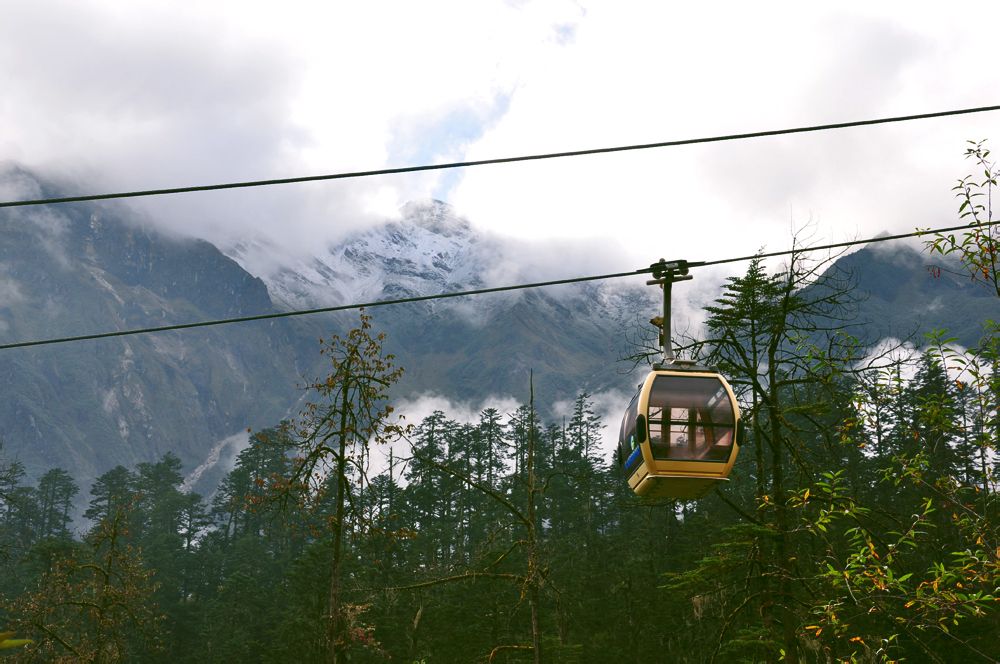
(679, 436)
(681, 432)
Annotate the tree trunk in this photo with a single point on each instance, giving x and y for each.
(785, 613)
(335, 627)
(534, 564)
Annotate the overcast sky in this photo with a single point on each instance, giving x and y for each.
(114, 95)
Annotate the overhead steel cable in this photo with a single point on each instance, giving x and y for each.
(843, 245)
(321, 310)
(499, 160)
(477, 291)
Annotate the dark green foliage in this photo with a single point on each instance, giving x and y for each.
(893, 551)
(860, 524)
(978, 248)
(89, 601)
(54, 496)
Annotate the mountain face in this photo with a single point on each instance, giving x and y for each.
(571, 337)
(430, 250)
(906, 294)
(89, 405)
(465, 348)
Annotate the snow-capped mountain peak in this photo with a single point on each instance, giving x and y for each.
(429, 249)
(436, 217)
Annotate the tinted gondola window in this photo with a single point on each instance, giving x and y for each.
(628, 443)
(691, 418)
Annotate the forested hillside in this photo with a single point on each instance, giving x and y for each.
(860, 524)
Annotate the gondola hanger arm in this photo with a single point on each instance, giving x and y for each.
(676, 270)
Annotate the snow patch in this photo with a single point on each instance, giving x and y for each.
(170, 346)
(231, 446)
(428, 250)
(103, 283)
(110, 402)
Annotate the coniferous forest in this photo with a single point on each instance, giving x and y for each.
(860, 524)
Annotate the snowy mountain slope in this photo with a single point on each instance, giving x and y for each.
(571, 336)
(428, 250)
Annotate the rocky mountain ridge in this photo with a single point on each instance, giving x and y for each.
(465, 348)
(89, 405)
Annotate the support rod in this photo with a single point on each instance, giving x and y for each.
(665, 341)
(665, 274)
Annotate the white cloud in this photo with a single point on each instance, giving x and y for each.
(117, 96)
(464, 412)
(153, 94)
(706, 70)
(890, 353)
(608, 405)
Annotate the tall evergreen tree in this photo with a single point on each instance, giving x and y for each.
(55, 493)
(111, 492)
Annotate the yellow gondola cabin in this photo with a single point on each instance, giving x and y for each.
(680, 434)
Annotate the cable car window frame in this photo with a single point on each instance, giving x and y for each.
(701, 415)
(629, 440)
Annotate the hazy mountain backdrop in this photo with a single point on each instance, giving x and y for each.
(81, 268)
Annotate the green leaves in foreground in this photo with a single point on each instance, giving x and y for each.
(7, 641)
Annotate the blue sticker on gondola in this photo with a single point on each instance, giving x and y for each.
(635, 455)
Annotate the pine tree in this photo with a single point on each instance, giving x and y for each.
(54, 494)
(111, 492)
(782, 338)
(18, 511)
